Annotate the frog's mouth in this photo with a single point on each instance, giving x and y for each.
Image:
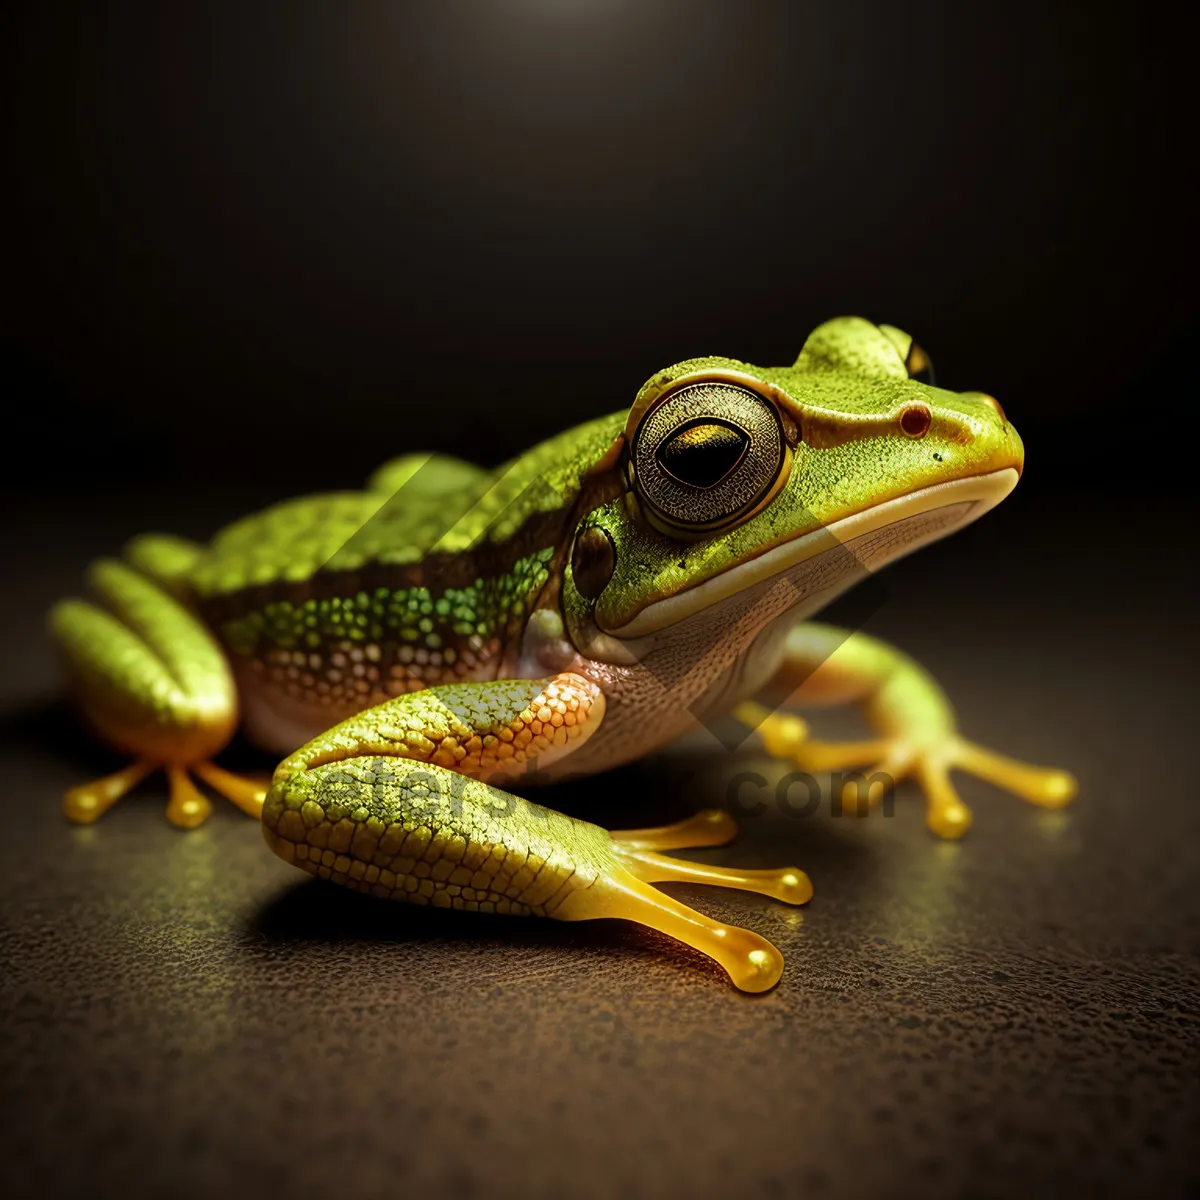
(839, 554)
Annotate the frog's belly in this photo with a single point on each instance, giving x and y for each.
(277, 722)
(280, 721)
(282, 709)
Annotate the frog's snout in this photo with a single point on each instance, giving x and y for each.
(991, 430)
(1010, 450)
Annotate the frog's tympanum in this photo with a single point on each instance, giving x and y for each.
(450, 630)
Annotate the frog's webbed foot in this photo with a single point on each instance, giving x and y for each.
(751, 961)
(927, 757)
(152, 681)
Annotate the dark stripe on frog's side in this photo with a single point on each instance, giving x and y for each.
(355, 638)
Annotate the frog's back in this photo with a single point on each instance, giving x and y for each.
(334, 602)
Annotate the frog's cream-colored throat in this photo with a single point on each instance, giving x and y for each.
(976, 494)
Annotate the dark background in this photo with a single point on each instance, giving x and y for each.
(282, 242)
(256, 250)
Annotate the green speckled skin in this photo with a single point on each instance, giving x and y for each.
(388, 801)
(430, 836)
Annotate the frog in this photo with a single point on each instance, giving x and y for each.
(424, 651)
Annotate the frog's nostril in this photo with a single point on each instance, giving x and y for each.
(993, 404)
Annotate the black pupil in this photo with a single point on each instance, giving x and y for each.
(703, 453)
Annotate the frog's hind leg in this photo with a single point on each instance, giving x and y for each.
(348, 807)
(152, 681)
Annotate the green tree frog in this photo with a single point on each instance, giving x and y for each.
(449, 632)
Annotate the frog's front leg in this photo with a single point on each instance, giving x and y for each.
(153, 682)
(918, 737)
(395, 802)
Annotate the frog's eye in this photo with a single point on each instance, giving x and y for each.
(707, 455)
(919, 365)
(703, 452)
(916, 361)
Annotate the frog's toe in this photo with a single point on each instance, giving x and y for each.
(85, 803)
(187, 806)
(862, 790)
(246, 791)
(789, 884)
(712, 827)
(1047, 787)
(624, 891)
(785, 735)
(945, 813)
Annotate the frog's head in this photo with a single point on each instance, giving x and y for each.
(740, 477)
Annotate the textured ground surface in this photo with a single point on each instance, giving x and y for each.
(186, 1014)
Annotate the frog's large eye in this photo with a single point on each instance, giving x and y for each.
(919, 365)
(707, 455)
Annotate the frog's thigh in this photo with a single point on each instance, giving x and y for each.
(393, 802)
(917, 735)
(153, 682)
